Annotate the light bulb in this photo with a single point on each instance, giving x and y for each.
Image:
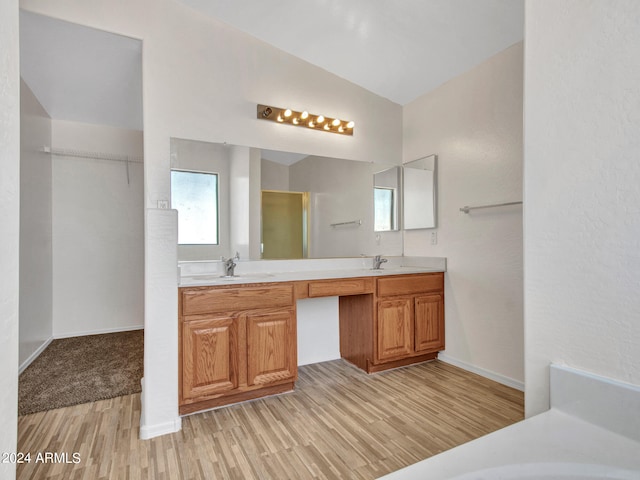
(341, 129)
(320, 119)
(287, 113)
(280, 119)
(304, 115)
(336, 122)
(311, 124)
(326, 126)
(350, 125)
(295, 120)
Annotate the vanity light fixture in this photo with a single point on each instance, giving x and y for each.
(305, 119)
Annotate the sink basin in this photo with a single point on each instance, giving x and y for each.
(230, 278)
(244, 278)
(381, 271)
(247, 276)
(217, 278)
(395, 270)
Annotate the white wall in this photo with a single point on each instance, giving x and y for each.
(341, 191)
(202, 80)
(255, 204)
(10, 221)
(318, 330)
(244, 202)
(582, 195)
(98, 232)
(474, 124)
(274, 176)
(36, 251)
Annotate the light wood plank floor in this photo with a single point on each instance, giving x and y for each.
(339, 423)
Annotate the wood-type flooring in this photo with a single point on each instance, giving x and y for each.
(338, 423)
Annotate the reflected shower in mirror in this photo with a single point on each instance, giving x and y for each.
(386, 199)
(419, 193)
(284, 224)
(341, 206)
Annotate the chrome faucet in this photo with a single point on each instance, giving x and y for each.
(230, 265)
(378, 261)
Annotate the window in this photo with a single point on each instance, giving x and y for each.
(195, 196)
(384, 209)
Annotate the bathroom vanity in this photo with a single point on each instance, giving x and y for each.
(237, 340)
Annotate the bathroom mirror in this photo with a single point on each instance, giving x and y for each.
(337, 214)
(419, 193)
(386, 198)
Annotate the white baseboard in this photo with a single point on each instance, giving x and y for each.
(34, 355)
(509, 382)
(98, 331)
(151, 431)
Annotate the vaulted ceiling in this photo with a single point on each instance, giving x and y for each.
(82, 74)
(398, 50)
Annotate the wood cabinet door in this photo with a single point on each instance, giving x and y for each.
(209, 356)
(429, 323)
(393, 329)
(271, 347)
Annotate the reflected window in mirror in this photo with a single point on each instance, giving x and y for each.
(195, 196)
(384, 201)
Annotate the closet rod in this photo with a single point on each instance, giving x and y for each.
(466, 209)
(65, 152)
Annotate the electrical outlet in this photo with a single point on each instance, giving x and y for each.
(434, 238)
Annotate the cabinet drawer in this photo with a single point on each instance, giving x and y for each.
(341, 287)
(410, 284)
(220, 299)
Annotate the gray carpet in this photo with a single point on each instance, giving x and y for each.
(81, 370)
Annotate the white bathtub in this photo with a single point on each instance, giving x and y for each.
(592, 431)
(552, 471)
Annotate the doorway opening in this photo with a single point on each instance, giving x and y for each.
(81, 205)
(285, 224)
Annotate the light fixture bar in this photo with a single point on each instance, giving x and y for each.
(305, 119)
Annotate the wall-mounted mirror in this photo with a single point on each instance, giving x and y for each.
(337, 205)
(419, 193)
(387, 195)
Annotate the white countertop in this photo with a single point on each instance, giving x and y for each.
(263, 277)
(191, 274)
